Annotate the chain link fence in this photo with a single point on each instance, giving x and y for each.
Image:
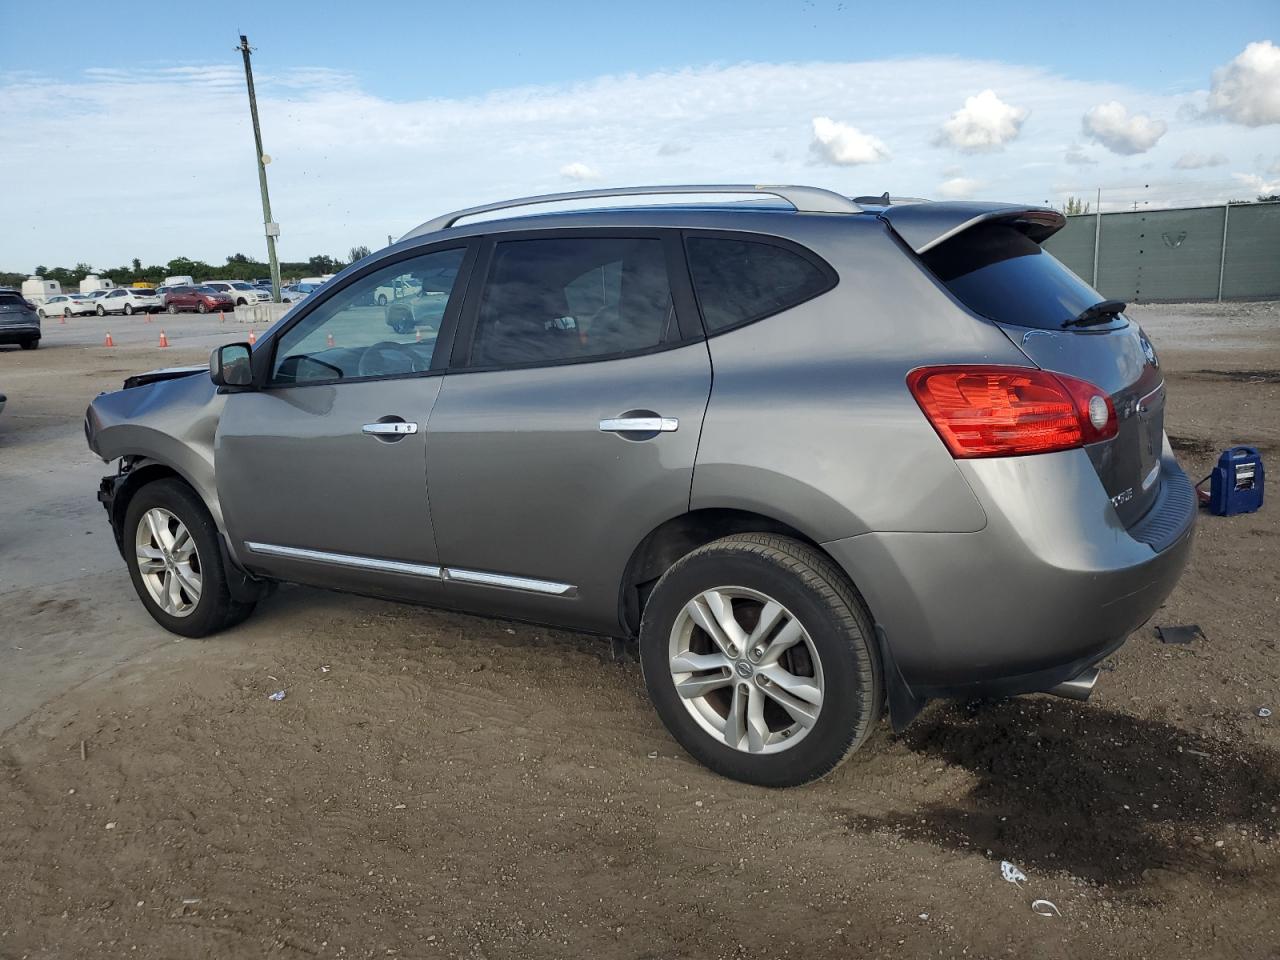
(1229, 252)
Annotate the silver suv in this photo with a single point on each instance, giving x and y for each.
(817, 456)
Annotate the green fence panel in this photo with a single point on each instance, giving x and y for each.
(1252, 268)
(1177, 255)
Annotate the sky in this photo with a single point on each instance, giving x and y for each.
(124, 128)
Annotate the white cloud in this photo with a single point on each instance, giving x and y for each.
(669, 149)
(1115, 128)
(1077, 157)
(1274, 169)
(1259, 185)
(1195, 161)
(984, 124)
(578, 171)
(843, 145)
(958, 188)
(1247, 90)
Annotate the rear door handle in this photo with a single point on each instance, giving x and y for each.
(391, 428)
(640, 425)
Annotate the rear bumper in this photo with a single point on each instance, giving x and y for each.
(1051, 585)
(17, 332)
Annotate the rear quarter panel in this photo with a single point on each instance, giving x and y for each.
(810, 420)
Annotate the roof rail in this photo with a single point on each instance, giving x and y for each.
(804, 199)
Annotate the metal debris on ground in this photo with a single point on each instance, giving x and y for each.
(1012, 873)
(1045, 908)
(1183, 633)
(1264, 712)
(278, 695)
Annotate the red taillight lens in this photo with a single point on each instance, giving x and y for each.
(1010, 411)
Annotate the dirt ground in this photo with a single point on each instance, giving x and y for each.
(440, 785)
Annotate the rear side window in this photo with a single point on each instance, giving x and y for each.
(738, 281)
(11, 300)
(559, 299)
(999, 273)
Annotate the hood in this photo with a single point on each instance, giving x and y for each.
(167, 373)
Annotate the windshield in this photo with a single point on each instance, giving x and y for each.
(203, 289)
(242, 286)
(1000, 273)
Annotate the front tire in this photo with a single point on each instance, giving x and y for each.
(172, 308)
(171, 549)
(760, 659)
(128, 309)
(100, 311)
(32, 343)
(201, 307)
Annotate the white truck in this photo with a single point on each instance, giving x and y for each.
(38, 290)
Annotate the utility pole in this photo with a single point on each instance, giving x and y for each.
(272, 228)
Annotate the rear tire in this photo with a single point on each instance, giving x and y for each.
(178, 507)
(66, 312)
(741, 720)
(172, 308)
(31, 343)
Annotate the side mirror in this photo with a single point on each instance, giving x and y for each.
(231, 366)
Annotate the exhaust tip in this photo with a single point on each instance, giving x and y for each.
(1078, 687)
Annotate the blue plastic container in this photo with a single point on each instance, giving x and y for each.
(1236, 482)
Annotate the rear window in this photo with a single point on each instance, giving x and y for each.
(11, 300)
(738, 281)
(997, 272)
(143, 292)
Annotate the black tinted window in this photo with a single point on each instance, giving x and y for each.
(564, 299)
(999, 273)
(738, 281)
(11, 300)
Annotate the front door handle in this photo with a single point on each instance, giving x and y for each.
(639, 425)
(389, 429)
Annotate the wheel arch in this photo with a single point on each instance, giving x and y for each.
(679, 535)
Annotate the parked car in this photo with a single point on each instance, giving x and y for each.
(68, 305)
(423, 309)
(128, 301)
(241, 293)
(294, 293)
(201, 299)
(19, 320)
(931, 461)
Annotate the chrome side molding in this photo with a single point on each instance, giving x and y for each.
(479, 578)
(347, 560)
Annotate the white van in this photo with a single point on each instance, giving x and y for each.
(179, 282)
(38, 290)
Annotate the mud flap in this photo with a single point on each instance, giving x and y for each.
(904, 706)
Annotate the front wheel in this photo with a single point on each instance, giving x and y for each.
(100, 311)
(761, 660)
(201, 307)
(171, 548)
(128, 309)
(172, 308)
(382, 299)
(40, 313)
(31, 343)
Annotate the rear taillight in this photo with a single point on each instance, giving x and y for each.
(982, 411)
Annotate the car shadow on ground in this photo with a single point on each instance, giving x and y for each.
(1103, 795)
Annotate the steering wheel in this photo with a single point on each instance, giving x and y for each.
(387, 358)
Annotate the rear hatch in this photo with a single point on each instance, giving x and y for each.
(989, 257)
(14, 309)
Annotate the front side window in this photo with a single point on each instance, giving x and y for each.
(738, 281)
(356, 333)
(573, 298)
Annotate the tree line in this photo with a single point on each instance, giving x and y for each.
(237, 267)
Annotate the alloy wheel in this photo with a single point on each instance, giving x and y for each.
(746, 669)
(168, 562)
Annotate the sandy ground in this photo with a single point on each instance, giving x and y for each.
(439, 785)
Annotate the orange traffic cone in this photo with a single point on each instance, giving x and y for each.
(164, 341)
(62, 318)
(328, 341)
(253, 338)
(108, 342)
(221, 318)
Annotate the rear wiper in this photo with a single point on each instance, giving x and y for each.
(1099, 313)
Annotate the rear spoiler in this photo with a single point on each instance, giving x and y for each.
(922, 226)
